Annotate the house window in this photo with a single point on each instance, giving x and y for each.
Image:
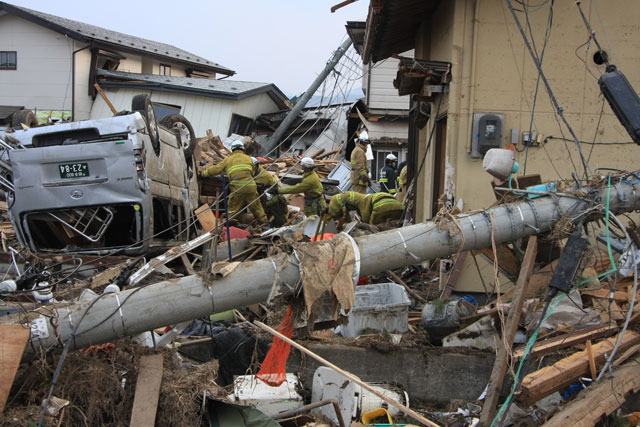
(164, 110)
(165, 70)
(8, 60)
(240, 125)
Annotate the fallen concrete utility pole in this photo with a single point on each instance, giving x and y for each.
(274, 140)
(170, 302)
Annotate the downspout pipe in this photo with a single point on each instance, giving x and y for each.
(73, 81)
(274, 140)
(170, 302)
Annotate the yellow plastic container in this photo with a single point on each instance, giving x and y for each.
(376, 413)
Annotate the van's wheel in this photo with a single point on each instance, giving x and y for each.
(181, 125)
(142, 104)
(24, 117)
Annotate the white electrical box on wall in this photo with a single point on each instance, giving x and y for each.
(487, 133)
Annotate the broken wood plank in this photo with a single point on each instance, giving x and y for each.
(453, 276)
(187, 264)
(13, 340)
(599, 399)
(106, 99)
(606, 294)
(577, 337)
(413, 293)
(409, 412)
(502, 358)
(507, 261)
(627, 354)
(206, 218)
(145, 402)
(592, 362)
(547, 380)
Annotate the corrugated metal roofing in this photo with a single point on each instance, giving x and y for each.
(86, 32)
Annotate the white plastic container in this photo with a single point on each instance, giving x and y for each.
(352, 398)
(381, 307)
(250, 391)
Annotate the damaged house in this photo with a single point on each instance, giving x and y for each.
(488, 99)
(385, 113)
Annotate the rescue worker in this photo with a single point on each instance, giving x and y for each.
(388, 175)
(311, 186)
(359, 166)
(341, 204)
(402, 183)
(275, 206)
(378, 207)
(243, 191)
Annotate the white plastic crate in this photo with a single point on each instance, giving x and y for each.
(381, 307)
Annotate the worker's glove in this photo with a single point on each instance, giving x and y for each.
(273, 190)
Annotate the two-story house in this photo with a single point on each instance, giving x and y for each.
(50, 64)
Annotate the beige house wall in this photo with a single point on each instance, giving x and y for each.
(493, 72)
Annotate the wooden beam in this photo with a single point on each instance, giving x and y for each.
(577, 337)
(547, 380)
(500, 365)
(341, 5)
(453, 276)
(599, 399)
(592, 362)
(409, 412)
(13, 340)
(106, 99)
(145, 402)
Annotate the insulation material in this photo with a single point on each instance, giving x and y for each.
(327, 270)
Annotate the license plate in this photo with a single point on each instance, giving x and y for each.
(73, 170)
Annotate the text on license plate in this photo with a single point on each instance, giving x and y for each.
(73, 170)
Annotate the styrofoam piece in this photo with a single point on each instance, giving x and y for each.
(250, 391)
(381, 307)
(351, 397)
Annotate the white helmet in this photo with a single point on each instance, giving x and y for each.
(254, 160)
(364, 137)
(307, 163)
(391, 158)
(237, 145)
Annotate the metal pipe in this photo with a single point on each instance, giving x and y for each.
(270, 144)
(309, 407)
(133, 311)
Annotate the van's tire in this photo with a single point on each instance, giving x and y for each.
(26, 117)
(181, 125)
(142, 104)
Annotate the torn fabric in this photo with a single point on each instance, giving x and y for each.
(327, 271)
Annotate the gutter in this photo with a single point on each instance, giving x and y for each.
(73, 80)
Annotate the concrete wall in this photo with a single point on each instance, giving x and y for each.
(203, 112)
(427, 374)
(42, 79)
(493, 72)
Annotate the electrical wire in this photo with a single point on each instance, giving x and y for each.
(552, 97)
(547, 36)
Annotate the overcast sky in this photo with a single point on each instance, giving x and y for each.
(286, 42)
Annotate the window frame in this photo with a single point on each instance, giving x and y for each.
(15, 62)
(162, 69)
